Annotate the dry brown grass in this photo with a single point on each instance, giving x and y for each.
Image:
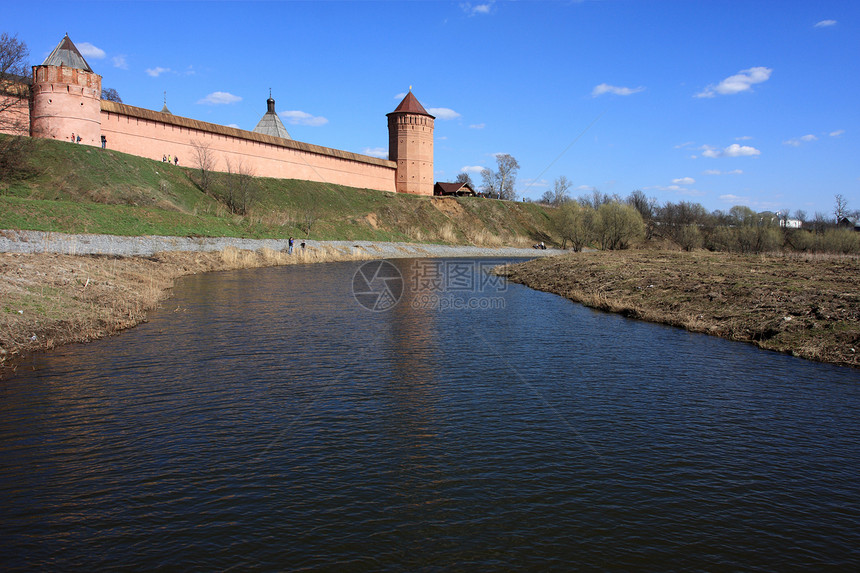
(47, 300)
(807, 305)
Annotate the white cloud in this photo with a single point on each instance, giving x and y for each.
(376, 152)
(744, 138)
(685, 144)
(825, 23)
(87, 50)
(684, 181)
(478, 126)
(837, 133)
(120, 62)
(585, 188)
(401, 95)
(303, 118)
(733, 150)
(443, 113)
(608, 89)
(236, 125)
(473, 9)
(471, 168)
(740, 82)
(795, 142)
(718, 172)
(217, 98)
(531, 183)
(734, 199)
(155, 72)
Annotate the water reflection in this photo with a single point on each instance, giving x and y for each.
(263, 419)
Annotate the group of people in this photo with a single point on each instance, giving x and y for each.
(77, 139)
(167, 159)
(290, 250)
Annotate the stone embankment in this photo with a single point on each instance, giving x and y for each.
(38, 242)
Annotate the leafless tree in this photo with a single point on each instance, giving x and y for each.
(559, 190)
(241, 186)
(500, 183)
(110, 94)
(309, 218)
(490, 183)
(204, 160)
(14, 94)
(647, 207)
(841, 210)
(820, 223)
(466, 179)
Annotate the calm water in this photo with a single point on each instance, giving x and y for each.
(264, 420)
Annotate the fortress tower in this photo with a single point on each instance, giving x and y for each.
(66, 97)
(410, 145)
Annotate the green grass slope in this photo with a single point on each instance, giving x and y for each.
(81, 189)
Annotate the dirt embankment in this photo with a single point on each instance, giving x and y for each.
(47, 300)
(808, 306)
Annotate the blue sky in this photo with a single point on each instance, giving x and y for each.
(719, 102)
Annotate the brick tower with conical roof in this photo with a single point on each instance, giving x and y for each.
(410, 145)
(66, 97)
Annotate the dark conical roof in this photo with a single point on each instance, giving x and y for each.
(410, 104)
(270, 123)
(67, 54)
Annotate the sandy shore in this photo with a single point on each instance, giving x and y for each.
(58, 289)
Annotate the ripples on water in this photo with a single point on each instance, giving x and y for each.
(263, 420)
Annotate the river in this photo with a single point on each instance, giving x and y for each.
(289, 418)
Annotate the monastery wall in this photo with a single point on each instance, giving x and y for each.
(153, 134)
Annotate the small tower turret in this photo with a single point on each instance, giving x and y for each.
(410, 145)
(270, 123)
(66, 97)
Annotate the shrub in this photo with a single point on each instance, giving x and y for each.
(618, 226)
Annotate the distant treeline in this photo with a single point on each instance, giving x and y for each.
(611, 222)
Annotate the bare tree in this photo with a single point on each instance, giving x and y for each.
(110, 94)
(490, 183)
(13, 76)
(841, 210)
(596, 199)
(241, 186)
(204, 160)
(820, 223)
(559, 190)
(647, 207)
(309, 218)
(500, 183)
(14, 116)
(465, 179)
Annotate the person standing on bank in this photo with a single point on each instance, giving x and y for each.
(104, 142)
(290, 250)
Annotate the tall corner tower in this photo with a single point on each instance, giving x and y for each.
(410, 145)
(66, 97)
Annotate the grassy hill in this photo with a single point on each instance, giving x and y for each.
(82, 189)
